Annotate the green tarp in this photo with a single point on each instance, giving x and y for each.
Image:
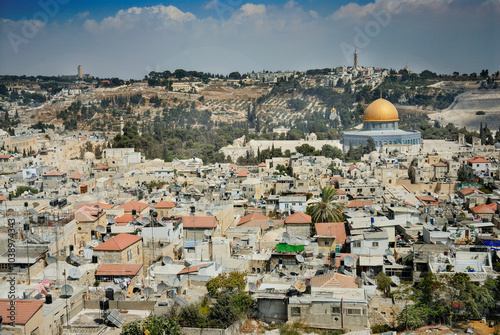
(289, 248)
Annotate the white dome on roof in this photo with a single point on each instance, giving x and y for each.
(374, 156)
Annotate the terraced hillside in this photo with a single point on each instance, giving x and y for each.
(471, 108)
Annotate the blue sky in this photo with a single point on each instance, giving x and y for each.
(130, 38)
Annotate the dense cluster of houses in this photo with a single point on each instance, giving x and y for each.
(150, 234)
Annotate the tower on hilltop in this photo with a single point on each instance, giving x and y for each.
(80, 72)
(355, 59)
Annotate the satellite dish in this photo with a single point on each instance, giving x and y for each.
(106, 237)
(162, 288)
(146, 220)
(391, 259)
(299, 258)
(75, 273)
(148, 292)
(348, 261)
(167, 260)
(51, 260)
(207, 233)
(101, 229)
(388, 252)
(67, 290)
(110, 220)
(300, 286)
(286, 236)
(307, 242)
(270, 223)
(173, 281)
(396, 280)
(118, 296)
(210, 214)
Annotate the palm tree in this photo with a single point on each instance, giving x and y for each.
(325, 209)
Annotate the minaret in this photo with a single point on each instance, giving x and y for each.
(355, 59)
(121, 125)
(80, 72)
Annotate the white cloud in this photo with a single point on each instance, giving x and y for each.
(354, 11)
(290, 4)
(251, 9)
(139, 16)
(82, 15)
(314, 14)
(427, 34)
(211, 4)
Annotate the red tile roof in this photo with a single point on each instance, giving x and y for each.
(252, 217)
(359, 203)
(25, 309)
(76, 176)
(164, 204)
(254, 220)
(126, 218)
(336, 178)
(352, 167)
(199, 222)
(493, 206)
(478, 159)
(118, 269)
(340, 192)
(2, 197)
(469, 190)
(482, 209)
(298, 218)
(193, 268)
(101, 167)
(129, 206)
(334, 280)
(54, 173)
(118, 243)
(336, 229)
(242, 172)
(262, 165)
(87, 213)
(426, 199)
(440, 164)
(5, 156)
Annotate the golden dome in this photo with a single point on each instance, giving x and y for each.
(381, 110)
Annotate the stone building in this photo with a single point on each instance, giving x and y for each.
(121, 249)
(298, 224)
(381, 124)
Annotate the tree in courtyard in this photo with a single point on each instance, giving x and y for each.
(325, 209)
(384, 283)
(154, 324)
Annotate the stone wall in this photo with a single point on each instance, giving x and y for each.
(122, 304)
(299, 229)
(231, 330)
